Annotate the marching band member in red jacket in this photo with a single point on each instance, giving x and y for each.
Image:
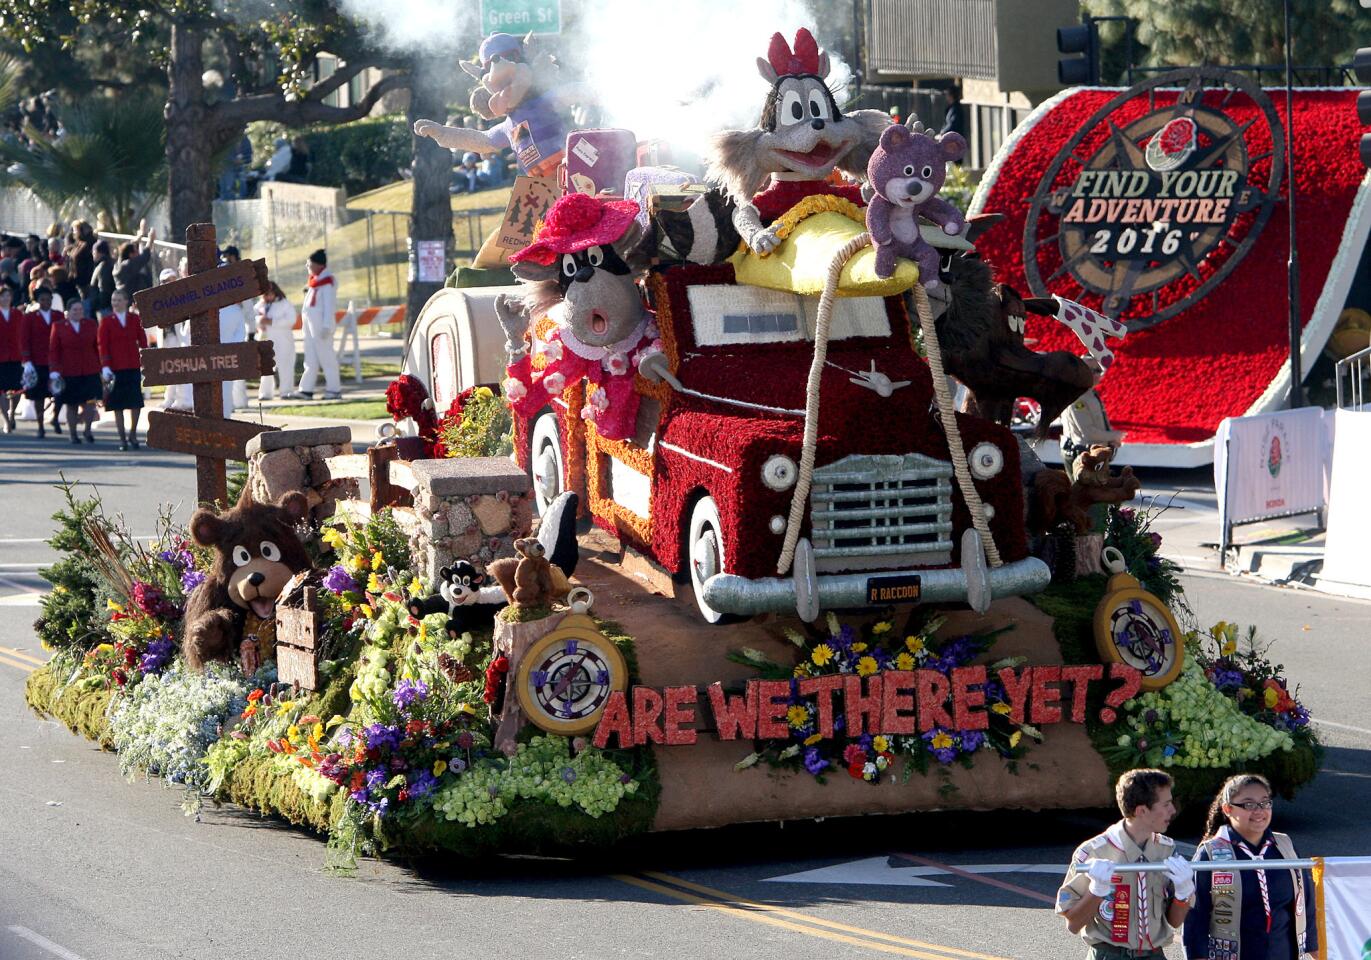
(74, 356)
(11, 358)
(33, 349)
(121, 337)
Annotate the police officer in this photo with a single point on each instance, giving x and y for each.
(1129, 914)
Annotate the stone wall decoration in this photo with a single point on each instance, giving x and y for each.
(1136, 628)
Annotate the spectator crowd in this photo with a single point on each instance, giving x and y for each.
(70, 341)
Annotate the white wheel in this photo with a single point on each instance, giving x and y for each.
(705, 552)
(546, 461)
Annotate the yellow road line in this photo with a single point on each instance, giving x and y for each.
(806, 918)
(10, 651)
(20, 664)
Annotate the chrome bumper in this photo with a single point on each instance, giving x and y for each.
(807, 592)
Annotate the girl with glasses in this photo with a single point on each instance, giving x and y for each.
(1249, 914)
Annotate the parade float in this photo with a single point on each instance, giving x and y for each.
(716, 549)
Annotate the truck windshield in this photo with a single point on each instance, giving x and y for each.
(728, 314)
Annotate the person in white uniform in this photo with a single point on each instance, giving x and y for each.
(231, 331)
(276, 322)
(231, 255)
(179, 396)
(317, 314)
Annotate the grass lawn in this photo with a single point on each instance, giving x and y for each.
(338, 409)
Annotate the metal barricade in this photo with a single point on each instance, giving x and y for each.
(1351, 375)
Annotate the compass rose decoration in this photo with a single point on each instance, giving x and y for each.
(1170, 182)
(565, 678)
(1135, 627)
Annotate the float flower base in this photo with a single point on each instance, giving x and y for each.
(764, 720)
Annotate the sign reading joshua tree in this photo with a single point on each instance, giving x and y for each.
(206, 362)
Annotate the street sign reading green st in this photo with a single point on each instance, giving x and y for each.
(521, 16)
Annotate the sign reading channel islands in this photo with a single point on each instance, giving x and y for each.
(170, 303)
(1154, 191)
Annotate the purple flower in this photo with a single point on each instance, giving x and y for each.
(190, 580)
(1156, 539)
(339, 581)
(376, 779)
(422, 784)
(381, 736)
(408, 692)
(157, 656)
(814, 762)
(972, 740)
(465, 740)
(1126, 513)
(359, 796)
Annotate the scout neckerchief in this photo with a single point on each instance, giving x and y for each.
(1261, 875)
(322, 279)
(1118, 835)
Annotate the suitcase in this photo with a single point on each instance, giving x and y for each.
(640, 182)
(597, 161)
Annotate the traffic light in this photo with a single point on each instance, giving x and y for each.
(1361, 63)
(1077, 71)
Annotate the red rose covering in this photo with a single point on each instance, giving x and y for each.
(1174, 382)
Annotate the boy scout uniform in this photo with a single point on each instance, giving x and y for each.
(1131, 921)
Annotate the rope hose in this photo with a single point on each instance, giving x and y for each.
(942, 394)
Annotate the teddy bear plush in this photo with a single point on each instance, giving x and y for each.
(232, 614)
(906, 172)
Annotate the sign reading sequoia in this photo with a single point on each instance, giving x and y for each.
(1156, 184)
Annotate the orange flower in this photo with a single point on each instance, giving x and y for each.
(358, 781)
(250, 710)
(256, 695)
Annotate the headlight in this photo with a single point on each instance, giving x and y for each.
(779, 472)
(986, 461)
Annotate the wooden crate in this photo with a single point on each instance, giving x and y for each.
(299, 626)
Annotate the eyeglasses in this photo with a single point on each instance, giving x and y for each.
(1251, 805)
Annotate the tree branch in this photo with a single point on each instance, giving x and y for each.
(299, 113)
(331, 83)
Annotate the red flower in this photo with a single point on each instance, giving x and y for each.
(404, 795)
(854, 754)
(119, 676)
(405, 397)
(494, 674)
(854, 769)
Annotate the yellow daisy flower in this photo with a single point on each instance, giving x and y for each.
(858, 647)
(1001, 708)
(377, 560)
(801, 670)
(904, 661)
(332, 537)
(880, 628)
(373, 584)
(810, 741)
(821, 654)
(942, 741)
(880, 744)
(1015, 738)
(913, 644)
(797, 716)
(867, 666)
(415, 587)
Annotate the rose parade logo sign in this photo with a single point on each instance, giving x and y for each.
(1155, 185)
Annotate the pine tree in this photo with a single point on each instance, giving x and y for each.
(1186, 33)
(72, 620)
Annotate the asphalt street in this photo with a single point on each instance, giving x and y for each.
(98, 868)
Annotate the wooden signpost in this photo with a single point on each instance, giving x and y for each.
(206, 362)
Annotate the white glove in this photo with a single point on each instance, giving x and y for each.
(106, 373)
(29, 368)
(1101, 873)
(54, 375)
(1182, 876)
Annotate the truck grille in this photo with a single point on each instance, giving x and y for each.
(874, 512)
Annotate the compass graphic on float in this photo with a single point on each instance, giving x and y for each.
(1148, 193)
